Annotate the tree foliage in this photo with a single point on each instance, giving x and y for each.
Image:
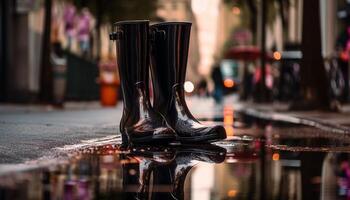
(114, 10)
(250, 8)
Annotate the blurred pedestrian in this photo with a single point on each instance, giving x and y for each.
(216, 75)
(69, 23)
(83, 31)
(257, 79)
(343, 46)
(55, 26)
(59, 64)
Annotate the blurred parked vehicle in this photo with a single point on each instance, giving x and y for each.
(231, 77)
(289, 81)
(336, 78)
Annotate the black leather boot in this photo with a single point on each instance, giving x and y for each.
(169, 51)
(139, 123)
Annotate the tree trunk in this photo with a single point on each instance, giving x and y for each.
(313, 75)
(3, 52)
(46, 85)
(98, 27)
(281, 12)
(253, 18)
(262, 85)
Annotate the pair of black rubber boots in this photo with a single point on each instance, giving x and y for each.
(162, 49)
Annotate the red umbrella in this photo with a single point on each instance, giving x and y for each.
(246, 53)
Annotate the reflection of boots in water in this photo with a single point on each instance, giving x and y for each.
(138, 168)
(163, 180)
(169, 180)
(136, 179)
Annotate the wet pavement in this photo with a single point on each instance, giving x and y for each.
(261, 159)
(30, 134)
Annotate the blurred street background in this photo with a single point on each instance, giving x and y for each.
(53, 52)
(272, 56)
(274, 73)
(288, 56)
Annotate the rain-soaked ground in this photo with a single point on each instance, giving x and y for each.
(259, 160)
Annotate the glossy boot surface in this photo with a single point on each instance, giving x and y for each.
(169, 51)
(139, 123)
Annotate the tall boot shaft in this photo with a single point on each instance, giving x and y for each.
(132, 47)
(169, 52)
(139, 122)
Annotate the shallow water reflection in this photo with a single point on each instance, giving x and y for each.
(110, 172)
(260, 160)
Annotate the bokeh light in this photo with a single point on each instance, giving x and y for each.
(277, 55)
(275, 156)
(232, 193)
(236, 10)
(229, 83)
(189, 87)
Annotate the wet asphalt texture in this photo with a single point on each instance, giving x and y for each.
(30, 132)
(29, 135)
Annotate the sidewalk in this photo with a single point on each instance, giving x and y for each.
(279, 112)
(30, 132)
(339, 121)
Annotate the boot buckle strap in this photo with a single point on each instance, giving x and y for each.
(116, 35)
(140, 84)
(157, 34)
(177, 86)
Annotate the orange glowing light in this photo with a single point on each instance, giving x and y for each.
(229, 120)
(277, 55)
(276, 156)
(229, 83)
(228, 115)
(229, 130)
(236, 10)
(232, 193)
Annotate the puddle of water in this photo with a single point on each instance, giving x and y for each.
(259, 160)
(236, 169)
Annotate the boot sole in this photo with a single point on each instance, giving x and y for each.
(163, 139)
(201, 139)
